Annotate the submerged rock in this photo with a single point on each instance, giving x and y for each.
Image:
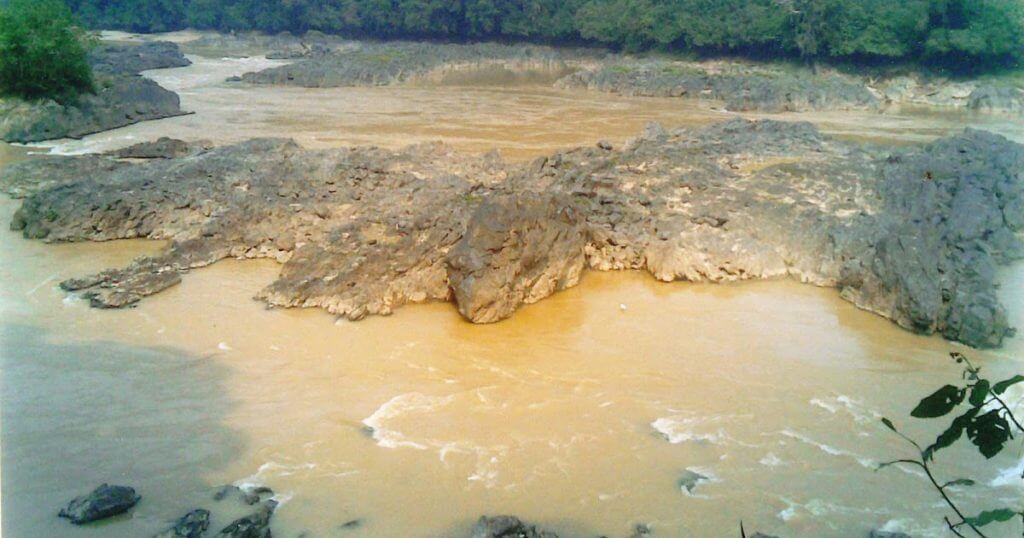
(689, 479)
(191, 525)
(351, 525)
(248, 495)
(104, 501)
(887, 534)
(913, 233)
(507, 527)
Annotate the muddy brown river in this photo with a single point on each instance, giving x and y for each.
(579, 414)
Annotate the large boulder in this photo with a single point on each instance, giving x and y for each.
(103, 502)
(518, 249)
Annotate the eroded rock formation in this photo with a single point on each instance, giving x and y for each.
(914, 234)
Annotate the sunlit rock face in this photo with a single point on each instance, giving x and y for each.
(912, 233)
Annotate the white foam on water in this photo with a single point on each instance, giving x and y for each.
(830, 450)
(819, 508)
(824, 405)
(40, 285)
(270, 469)
(1010, 477)
(771, 460)
(396, 407)
(913, 528)
(223, 346)
(860, 413)
(690, 429)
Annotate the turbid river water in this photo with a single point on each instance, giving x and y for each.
(580, 413)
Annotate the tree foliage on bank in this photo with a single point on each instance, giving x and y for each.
(42, 51)
(957, 33)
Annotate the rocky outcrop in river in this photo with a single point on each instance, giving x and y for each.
(741, 88)
(914, 234)
(379, 64)
(103, 502)
(122, 97)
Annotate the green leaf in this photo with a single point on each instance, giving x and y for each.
(950, 436)
(888, 424)
(1001, 386)
(989, 433)
(979, 392)
(939, 403)
(959, 482)
(991, 516)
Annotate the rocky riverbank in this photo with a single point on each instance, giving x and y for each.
(745, 87)
(322, 61)
(122, 97)
(914, 234)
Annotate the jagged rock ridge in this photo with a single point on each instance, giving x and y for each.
(914, 234)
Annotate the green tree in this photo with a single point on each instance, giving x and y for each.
(42, 51)
(973, 32)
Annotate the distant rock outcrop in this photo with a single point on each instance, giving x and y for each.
(122, 97)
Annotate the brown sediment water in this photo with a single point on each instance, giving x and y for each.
(580, 413)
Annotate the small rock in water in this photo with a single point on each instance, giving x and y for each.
(641, 530)
(103, 502)
(351, 525)
(507, 527)
(254, 525)
(605, 145)
(689, 480)
(191, 525)
(887, 534)
(248, 496)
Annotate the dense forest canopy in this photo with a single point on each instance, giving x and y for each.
(956, 33)
(42, 51)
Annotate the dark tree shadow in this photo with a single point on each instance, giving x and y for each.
(75, 415)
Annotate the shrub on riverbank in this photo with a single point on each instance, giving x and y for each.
(42, 54)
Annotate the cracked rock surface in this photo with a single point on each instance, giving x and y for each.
(914, 234)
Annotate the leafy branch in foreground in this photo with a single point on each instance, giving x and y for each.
(989, 424)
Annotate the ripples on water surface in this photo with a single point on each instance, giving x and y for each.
(580, 413)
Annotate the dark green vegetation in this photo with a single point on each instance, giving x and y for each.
(989, 424)
(961, 34)
(42, 52)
